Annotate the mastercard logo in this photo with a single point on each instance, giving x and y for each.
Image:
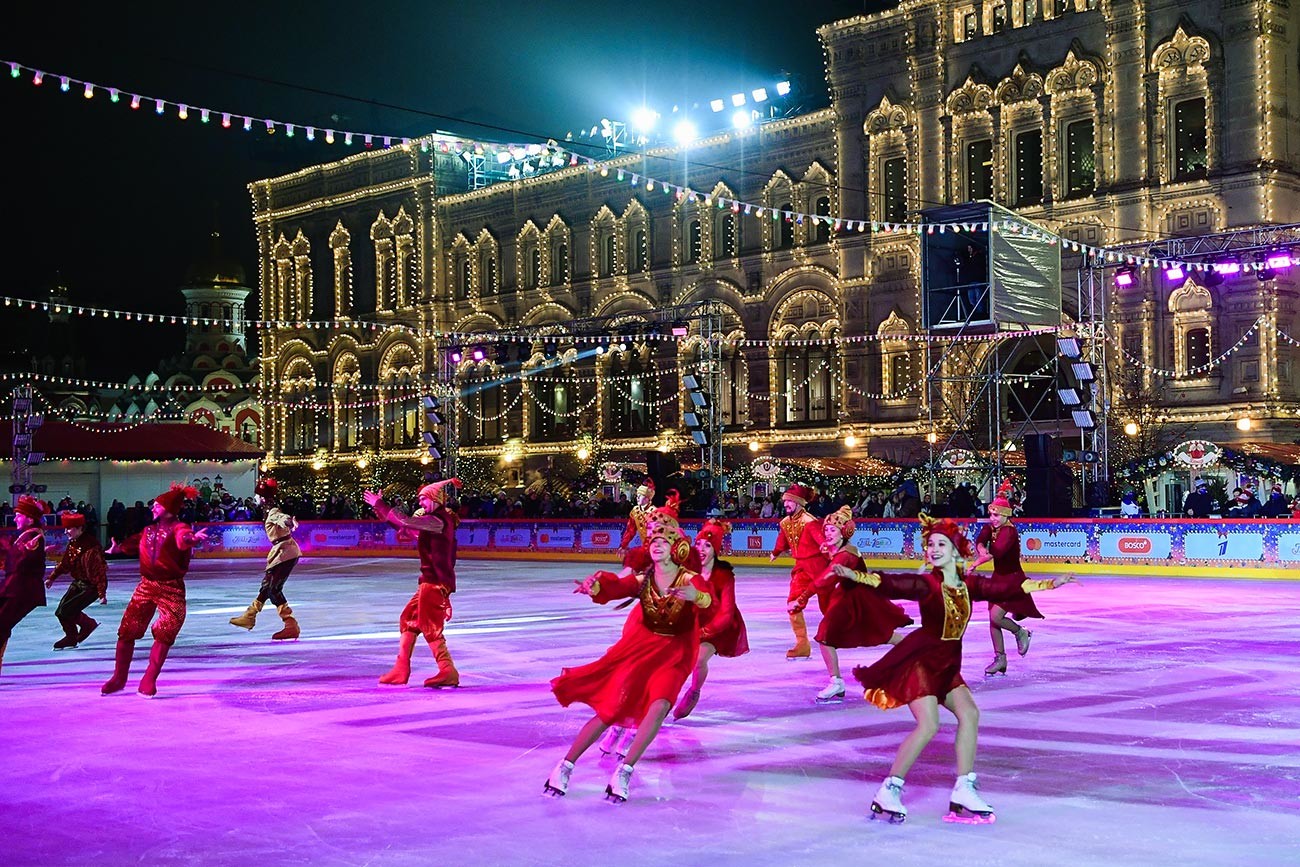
(1033, 543)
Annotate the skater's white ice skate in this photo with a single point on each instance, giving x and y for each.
(1023, 638)
(966, 805)
(609, 740)
(616, 791)
(557, 784)
(626, 736)
(888, 803)
(834, 691)
(998, 667)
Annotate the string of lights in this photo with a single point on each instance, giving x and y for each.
(1197, 370)
(557, 156)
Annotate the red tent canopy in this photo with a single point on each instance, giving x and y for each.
(127, 442)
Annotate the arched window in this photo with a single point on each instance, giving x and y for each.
(822, 228)
(694, 241)
(727, 237)
(639, 252)
(560, 264)
(785, 227)
(534, 268)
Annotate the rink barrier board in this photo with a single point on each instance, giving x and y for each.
(1182, 547)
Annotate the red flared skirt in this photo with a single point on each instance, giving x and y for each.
(858, 616)
(732, 641)
(638, 670)
(1022, 604)
(921, 664)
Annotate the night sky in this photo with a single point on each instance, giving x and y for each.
(117, 203)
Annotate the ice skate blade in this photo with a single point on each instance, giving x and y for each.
(835, 699)
(879, 812)
(989, 674)
(550, 791)
(961, 816)
(613, 798)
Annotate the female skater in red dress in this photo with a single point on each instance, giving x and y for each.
(1000, 542)
(924, 669)
(722, 629)
(856, 616)
(636, 681)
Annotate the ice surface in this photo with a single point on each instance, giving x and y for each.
(1155, 721)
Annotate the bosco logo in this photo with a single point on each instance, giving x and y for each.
(1134, 545)
(601, 539)
(1033, 543)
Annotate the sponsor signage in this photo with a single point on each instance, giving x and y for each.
(601, 539)
(1072, 544)
(879, 543)
(339, 535)
(473, 536)
(1136, 544)
(1223, 545)
(556, 537)
(1288, 546)
(512, 537)
(754, 540)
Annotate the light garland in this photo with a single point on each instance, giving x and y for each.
(1191, 371)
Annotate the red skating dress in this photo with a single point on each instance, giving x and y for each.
(802, 537)
(721, 624)
(928, 660)
(857, 615)
(652, 659)
(1004, 545)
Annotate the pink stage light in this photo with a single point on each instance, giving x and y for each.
(1174, 272)
(1125, 277)
(1278, 261)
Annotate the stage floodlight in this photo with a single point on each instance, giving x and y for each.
(1084, 419)
(690, 381)
(644, 118)
(684, 133)
(478, 353)
(455, 355)
(737, 100)
(1278, 260)
(1068, 347)
(717, 104)
(1174, 272)
(1083, 372)
(760, 94)
(1227, 268)
(1126, 277)
(742, 120)
(1069, 397)
(783, 88)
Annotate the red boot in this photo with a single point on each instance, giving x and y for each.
(400, 673)
(447, 674)
(157, 656)
(121, 665)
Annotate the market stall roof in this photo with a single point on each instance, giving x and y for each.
(60, 440)
(1282, 453)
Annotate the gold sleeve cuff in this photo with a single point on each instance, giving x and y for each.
(1033, 585)
(871, 579)
(702, 599)
(595, 589)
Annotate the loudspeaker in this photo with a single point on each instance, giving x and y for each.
(1049, 492)
(1042, 450)
(659, 466)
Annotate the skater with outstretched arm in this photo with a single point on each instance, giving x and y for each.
(857, 615)
(280, 560)
(999, 541)
(164, 548)
(429, 608)
(636, 681)
(924, 669)
(22, 590)
(83, 559)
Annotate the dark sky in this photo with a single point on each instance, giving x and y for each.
(117, 203)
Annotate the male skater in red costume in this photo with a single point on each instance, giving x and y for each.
(430, 608)
(83, 559)
(164, 547)
(21, 590)
(801, 535)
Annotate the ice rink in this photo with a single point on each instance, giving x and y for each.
(1154, 721)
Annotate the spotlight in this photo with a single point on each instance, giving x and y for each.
(644, 118)
(685, 132)
(1084, 419)
(1174, 272)
(478, 353)
(783, 88)
(760, 95)
(850, 441)
(717, 104)
(1263, 269)
(753, 445)
(742, 120)
(1279, 260)
(1131, 428)
(1069, 347)
(1126, 277)
(456, 355)
(1227, 267)
(737, 99)
(1244, 423)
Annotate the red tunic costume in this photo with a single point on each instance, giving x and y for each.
(928, 660)
(857, 615)
(430, 606)
(721, 624)
(801, 535)
(637, 521)
(1004, 544)
(23, 588)
(652, 659)
(164, 550)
